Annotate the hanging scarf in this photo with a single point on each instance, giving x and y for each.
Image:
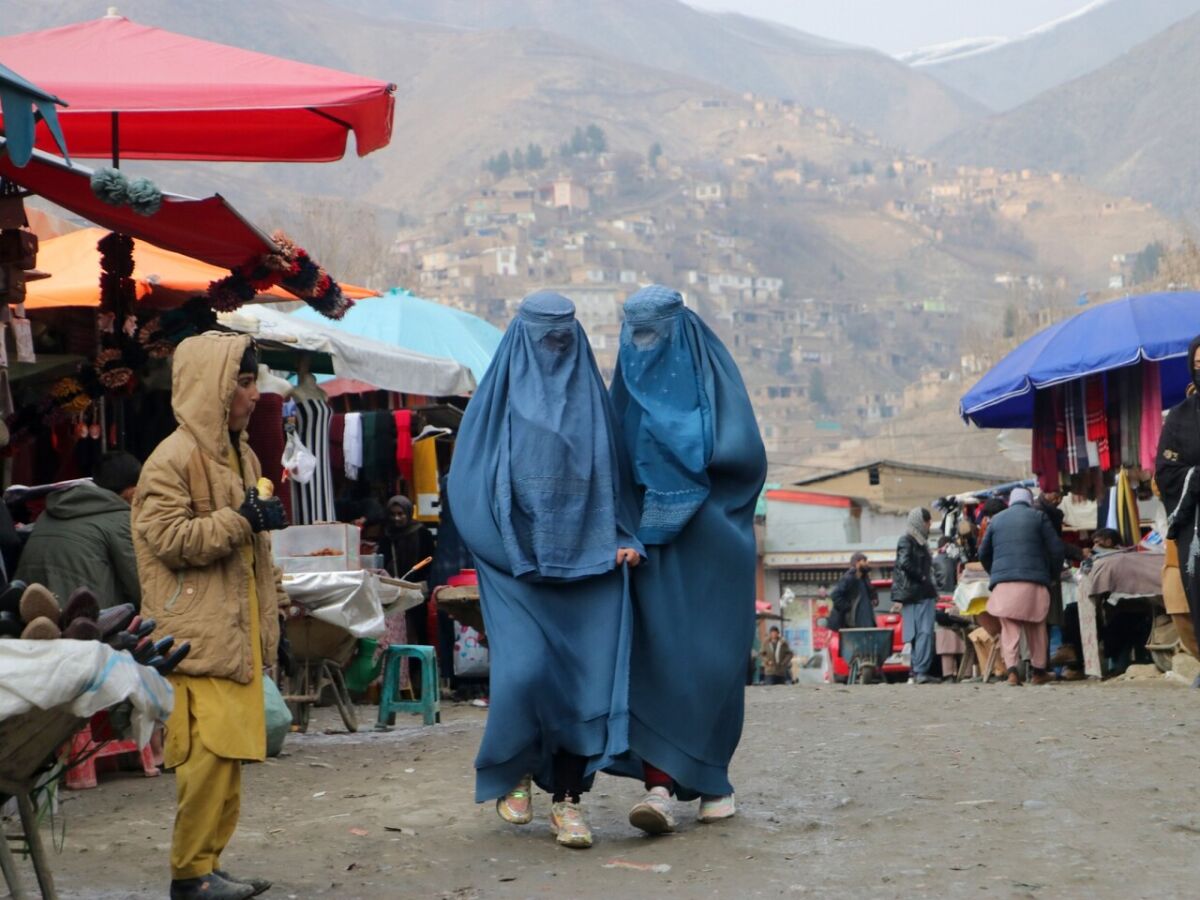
(1097, 419)
(1151, 419)
(1070, 402)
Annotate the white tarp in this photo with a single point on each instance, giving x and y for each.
(383, 365)
(87, 676)
(349, 600)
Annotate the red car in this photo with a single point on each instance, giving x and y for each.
(895, 667)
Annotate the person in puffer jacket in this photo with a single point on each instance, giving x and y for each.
(201, 534)
(1023, 556)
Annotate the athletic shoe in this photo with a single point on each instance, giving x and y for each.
(653, 814)
(715, 809)
(516, 807)
(566, 821)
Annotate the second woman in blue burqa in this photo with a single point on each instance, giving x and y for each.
(540, 498)
(699, 466)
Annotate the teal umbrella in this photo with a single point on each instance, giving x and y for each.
(407, 321)
(21, 101)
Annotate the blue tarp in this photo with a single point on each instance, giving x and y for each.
(403, 320)
(1156, 327)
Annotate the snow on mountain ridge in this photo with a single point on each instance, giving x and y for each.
(969, 47)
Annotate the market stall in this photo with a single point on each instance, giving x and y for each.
(1093, 389)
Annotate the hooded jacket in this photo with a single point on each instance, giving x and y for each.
(187, 530)
(83, 540)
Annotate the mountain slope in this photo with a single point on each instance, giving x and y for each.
(1004, 74)
(1131, 127)
(871, 90)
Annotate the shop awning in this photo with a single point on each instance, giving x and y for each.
(1155, 327)
(137, 92)
(161, 278)
(210, 229)
(388, 367)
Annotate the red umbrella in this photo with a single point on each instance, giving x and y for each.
(145, 93)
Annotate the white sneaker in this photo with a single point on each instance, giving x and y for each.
(653, 814)
(715, 809)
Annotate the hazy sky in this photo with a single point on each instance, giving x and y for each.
(897, 25)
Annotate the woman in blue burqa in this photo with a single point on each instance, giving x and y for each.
(699, 466)
(538, 496)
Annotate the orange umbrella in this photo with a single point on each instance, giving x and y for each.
(161, 278)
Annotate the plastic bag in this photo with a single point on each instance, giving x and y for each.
(279, 717)
(298, 460)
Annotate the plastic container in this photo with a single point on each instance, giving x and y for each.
(317, 548)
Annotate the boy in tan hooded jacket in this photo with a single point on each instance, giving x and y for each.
(200, 532)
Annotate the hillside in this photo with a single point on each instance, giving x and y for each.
(1003, 74)
(1129, 128)
(861, 86)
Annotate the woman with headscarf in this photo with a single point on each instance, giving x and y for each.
(539, 497)
(1178, 481)
(699, 467)
(914, 590)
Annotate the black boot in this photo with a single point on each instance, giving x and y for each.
(260, 885)
(209, 887)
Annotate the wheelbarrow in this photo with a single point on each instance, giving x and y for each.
(319, 651)
(865, 650)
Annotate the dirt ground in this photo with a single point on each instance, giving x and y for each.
(883, 791)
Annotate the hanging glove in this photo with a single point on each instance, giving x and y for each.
(263, 514)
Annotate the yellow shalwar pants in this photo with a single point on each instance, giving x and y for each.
(216, 723)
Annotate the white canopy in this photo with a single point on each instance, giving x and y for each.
(385, 366)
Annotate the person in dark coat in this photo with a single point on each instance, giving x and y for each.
(1178, 481)
(1023, 556)
(854, 597)
(404, 542)
(945, 566)
(913, 589)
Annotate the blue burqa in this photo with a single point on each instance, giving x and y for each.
(537, 493)
(699, 466)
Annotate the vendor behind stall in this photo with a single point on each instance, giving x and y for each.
(404, 543)
(83, 537)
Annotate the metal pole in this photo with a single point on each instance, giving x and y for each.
(37, 850)
(12, 877)
(116, 140)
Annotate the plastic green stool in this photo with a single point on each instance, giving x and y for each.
(429, 706)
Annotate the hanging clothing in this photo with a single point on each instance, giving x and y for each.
(1044, 455)
(266, 437)
(337, 433)
(1150, 426)
(1127, 516)
(689, 428)
(540, 497)
(1097, 420)
(404, 443)
(352, 445)
(313, 502)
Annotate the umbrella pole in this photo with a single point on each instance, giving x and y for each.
(116, 140)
